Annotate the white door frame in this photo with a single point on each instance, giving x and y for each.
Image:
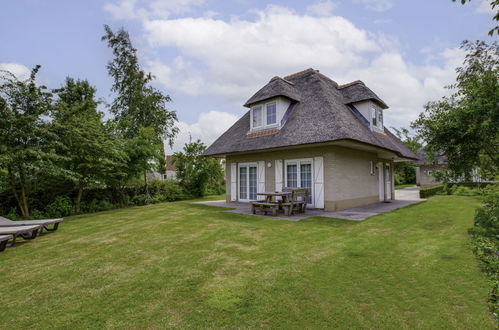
(381, 180)
(247, 165)
(388, 181)
(298, 174)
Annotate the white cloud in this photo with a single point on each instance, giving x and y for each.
(321, 8)
(18, 70)
(232, 59)
(484, 7)
(208, 128)
(377, 5)
(135, 9)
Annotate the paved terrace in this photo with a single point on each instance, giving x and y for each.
(403, 198)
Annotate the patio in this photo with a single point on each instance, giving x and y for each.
(403, 197)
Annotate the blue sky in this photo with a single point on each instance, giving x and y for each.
(211, 56)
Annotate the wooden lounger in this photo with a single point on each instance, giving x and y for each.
(45, 223)
(3, 241)
(26, 232)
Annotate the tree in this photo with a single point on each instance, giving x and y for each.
(140, 110)
(196, 172)
(493, 4)
(91, 154)
(464, 127)
(405, 172)
(27, 145)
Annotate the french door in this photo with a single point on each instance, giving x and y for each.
(247, 180)
(298, 174)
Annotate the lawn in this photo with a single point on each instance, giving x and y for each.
(194, 266)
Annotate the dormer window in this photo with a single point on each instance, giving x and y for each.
(268, 115)
(271, 113)
(257, 116)
(376, 118)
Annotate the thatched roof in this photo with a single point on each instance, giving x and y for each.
(321, 113)
(276, 87)
(357, 91)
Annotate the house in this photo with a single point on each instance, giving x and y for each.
(169, 173)
(426, 170)
(305, 130)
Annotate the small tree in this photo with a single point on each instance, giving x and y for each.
(27, 145)
(464, 127)
(140, 110)
(196, 172)
(91, 154)
(406, 172)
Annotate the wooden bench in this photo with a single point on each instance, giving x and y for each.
(264, 207)
(298, 202)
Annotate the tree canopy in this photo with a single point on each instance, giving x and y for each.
(464, 126)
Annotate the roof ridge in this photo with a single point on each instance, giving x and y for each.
(298, 73)
(279, 78)
(351, 84)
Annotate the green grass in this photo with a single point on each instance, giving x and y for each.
(402, 186)
(194, 266)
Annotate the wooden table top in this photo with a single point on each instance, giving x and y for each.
(274, 193)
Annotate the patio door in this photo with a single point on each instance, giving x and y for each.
(298, 174)
(247, 179)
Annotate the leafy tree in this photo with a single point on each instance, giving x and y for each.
(196, 172)
(27, 145)
(464, 127)
(91, 153)
(493, 4)
(140, 110)
(406, 172)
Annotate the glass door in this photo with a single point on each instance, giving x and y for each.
(247, 182)
(298, 174)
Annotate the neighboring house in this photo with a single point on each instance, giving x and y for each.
(170, 169)
(169, 174)
(426, 170)
(305, 130)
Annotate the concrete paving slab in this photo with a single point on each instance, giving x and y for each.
(404, 197)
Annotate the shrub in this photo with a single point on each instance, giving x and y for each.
(62, 206)
(141, 199)
(485, 243)
(430, 191)
(464, 191)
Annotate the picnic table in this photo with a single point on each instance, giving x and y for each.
(288, 200)
(271, 197)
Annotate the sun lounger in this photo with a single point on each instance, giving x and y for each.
(4, 222)
(26, 232)
(3, 241)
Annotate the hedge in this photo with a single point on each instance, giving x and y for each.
(430, 191)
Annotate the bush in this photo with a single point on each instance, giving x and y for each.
(430, 191)
(464, 191)
(62, 206)
(141, 200)
(485, 242)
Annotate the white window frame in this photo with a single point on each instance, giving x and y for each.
(375, 115)
(262, 113)
(263, 107)
(298, 162)
(247, 165)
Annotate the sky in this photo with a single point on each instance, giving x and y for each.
(211, 56)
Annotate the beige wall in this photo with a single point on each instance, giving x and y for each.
(425, 180)
(347, 179)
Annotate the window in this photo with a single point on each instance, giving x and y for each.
(271, 113)
(299, 174)
(374, 120)
(257, 116)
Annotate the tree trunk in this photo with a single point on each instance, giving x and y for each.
(21, 200)
(78, 199)
(24, 199)
(146, 187)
